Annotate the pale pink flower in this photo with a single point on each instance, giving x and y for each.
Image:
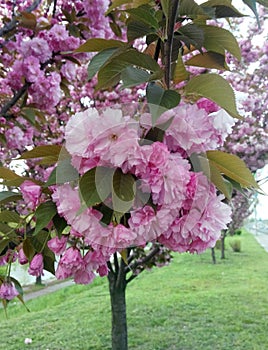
(72, 259)
(36, 265)
(8, 291)
(31, 193)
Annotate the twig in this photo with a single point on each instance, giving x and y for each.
(171, 20)
(14, 99)
(143, 261)
(12, 24)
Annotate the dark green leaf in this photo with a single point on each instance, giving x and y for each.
(191, 34)
(144, 14)
(208, 59)
(9, 196)
(160, 100)
(59, 223)
(223, 8)
(28, 249)
(9, 216)
(44, 214)
(137, 29)
(190, 8)
(98, 61)
(132, 76)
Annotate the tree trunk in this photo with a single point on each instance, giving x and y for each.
(213, 255)
(223, 244)
(117, 288)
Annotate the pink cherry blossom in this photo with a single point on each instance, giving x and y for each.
(31, 194)
(58, 245)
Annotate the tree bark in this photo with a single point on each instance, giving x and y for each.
(117, 289)
(213, 255)
(223, 244)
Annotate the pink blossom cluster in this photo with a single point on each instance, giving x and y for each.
(182, 209)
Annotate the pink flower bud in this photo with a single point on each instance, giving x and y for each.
(8, 291)
(22, 257)
(36, 265)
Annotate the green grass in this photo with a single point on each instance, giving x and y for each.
(190, 305)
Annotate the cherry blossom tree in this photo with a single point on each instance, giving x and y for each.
(117, 137)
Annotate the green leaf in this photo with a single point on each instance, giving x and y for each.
(9, 216)
(223, 8)
(28, 249)
(8, 174)
(134, 4)
(88, 189)
(132, 76)
(220, 40)
(144, 14)
(123, 193)
(215, 88)
(157, 133)
(252, 5)
(141, 60)
(208, 59)
(59, 223)
(62, 173)
(137, 29)
(99, 44)
(160, 100)
(180, 72)
(190, 8)
(233, 167)
(191, 34)
(213, 174)
(4, 242)
(98, 61)
(44, 214)
(52, 151)
(165, 5)
(110, 74)
(49, 260)
(9, 196)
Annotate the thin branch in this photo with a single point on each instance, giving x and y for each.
(110, 267)
(116, 265)
(143, 261)
(54, 8)
(14, 99)
(131, 278)
(171, 21)
(12, 24)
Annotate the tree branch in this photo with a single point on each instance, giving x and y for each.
(12, 24)
(14, 99)
(171, 20)
(110, 267)
(143, 261)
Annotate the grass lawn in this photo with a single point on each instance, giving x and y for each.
(190, 305)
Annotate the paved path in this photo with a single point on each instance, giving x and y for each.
(260, 232)
(50, 288)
